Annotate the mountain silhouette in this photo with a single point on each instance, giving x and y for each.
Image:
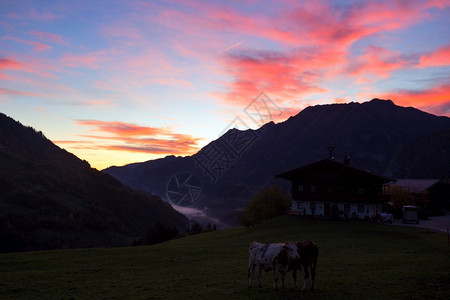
(379, 136)
(50, 199)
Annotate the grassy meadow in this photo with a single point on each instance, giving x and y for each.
(356, 260)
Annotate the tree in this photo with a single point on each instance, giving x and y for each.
(401, 196)
(269, 203)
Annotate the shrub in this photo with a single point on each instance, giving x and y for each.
(269, 203)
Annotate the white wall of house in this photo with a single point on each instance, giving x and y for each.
(361, 210)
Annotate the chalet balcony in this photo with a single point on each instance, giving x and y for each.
(341, 198)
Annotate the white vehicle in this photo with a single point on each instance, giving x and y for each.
(410, 214)
(386, 218)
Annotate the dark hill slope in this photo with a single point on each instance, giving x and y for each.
(375, 134)
(51, 199)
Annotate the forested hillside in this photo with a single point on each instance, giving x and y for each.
(50, 199)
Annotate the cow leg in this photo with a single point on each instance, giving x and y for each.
(313, 276)
(275, 277)
(305, 276)
(283, 276)
(251, 270)
(258, 274)
(294, 275)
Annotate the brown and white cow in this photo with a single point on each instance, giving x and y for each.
(270, 257)
(308, 253)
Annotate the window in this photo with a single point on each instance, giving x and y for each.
(360, 208)
(312, 206)
(330, 189)
(347, 208)
(313, 189)
(361, 190)
(300, 187)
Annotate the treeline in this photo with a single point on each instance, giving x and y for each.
(160, 233)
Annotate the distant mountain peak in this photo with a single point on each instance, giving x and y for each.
(383, 101)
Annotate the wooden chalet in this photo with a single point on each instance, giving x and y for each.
(331, 189)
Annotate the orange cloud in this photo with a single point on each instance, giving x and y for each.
(121, 129)
(435, 100)
(441, 57)
(135, 138)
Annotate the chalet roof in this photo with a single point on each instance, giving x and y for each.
(295, 173)
(416, 185)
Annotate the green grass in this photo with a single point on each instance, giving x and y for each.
(356, 260)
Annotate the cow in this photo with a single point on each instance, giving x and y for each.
(270, 257)
(308, 253)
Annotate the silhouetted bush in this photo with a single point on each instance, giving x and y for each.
(269, 203)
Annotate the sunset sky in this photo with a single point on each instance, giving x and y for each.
(116, 82)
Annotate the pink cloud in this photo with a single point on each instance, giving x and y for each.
(9, 63)
(315, 23)
(50, 37)
(128, 34)
(285, 76)
(29, 65)
(315, 38)
(6, 25)
(7, 93)
(378, 62)
(441, 4)
(32, 14)
(37, 46)
(148, 67)
(172, 82)
(90, 60)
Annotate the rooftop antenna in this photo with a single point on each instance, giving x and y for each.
(331, 148)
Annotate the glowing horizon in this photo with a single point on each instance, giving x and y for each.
(117, 82)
